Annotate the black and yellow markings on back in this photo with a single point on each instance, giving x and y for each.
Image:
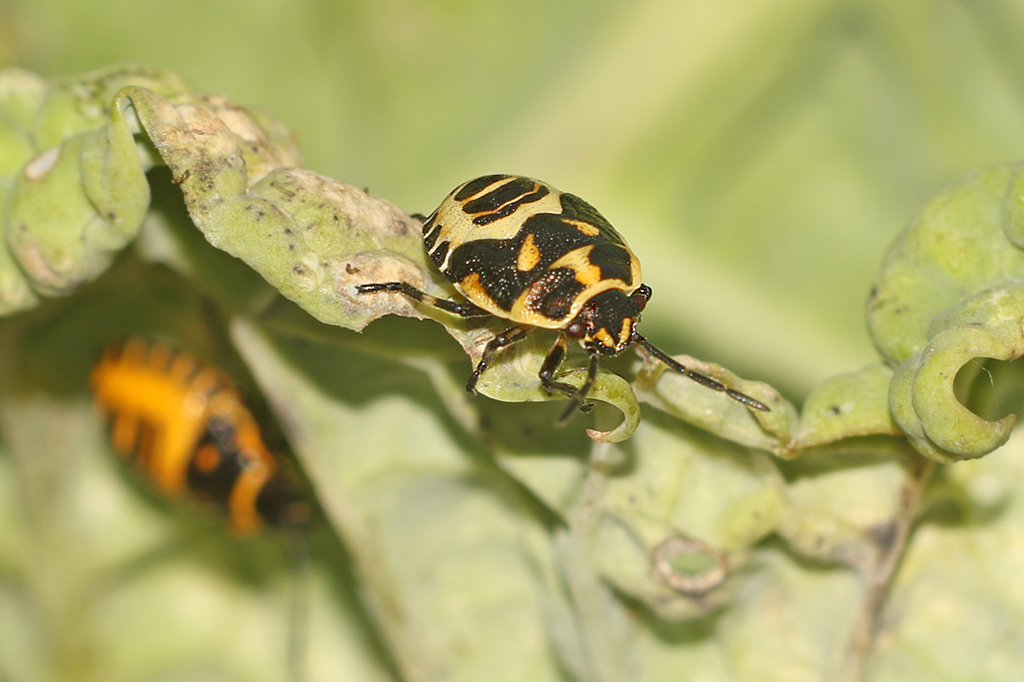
(186, 427)
(521, 250)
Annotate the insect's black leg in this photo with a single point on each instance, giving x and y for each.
(547, 373)
(467, 310)
(551, 364)
(702, 379)
(506, 338)
(579, 398)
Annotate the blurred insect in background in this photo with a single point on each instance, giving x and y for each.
(184, 425)
(521, 250)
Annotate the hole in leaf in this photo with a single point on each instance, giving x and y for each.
(990, 388)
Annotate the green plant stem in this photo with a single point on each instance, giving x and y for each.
(891, 551)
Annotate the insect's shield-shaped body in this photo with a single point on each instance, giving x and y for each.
(520, 250)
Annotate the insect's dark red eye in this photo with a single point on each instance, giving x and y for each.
(641, 296)
(575, 330)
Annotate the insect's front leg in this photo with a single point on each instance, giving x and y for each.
(580, 399)
(547, 373)
(466, 310)
(506, 338)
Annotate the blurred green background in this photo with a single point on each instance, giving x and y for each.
(759, 155)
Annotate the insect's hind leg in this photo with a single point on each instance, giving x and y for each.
(467, 310)
(506, 338)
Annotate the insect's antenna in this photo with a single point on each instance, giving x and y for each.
(702, 379)
(298, 612)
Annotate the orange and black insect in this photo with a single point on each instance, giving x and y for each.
(187, 429)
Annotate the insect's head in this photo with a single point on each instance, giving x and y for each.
(607, 323)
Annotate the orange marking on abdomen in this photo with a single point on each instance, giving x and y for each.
(134, 389)
(162, 405)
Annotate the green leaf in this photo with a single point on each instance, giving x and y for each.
(947, 295)
(957, 247)
(449, 566)
(83, 194)
(922, 395)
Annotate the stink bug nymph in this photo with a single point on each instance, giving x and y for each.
(185, 426)
(521, 250)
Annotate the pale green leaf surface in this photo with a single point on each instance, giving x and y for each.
(958, 597)
(837, 504)
(847, 405)
(81, 104)
(948, 294)
(716, 412)
(447, 565)
(21, 94)
(15, 291)
(693, 487)
(955, 248)
(80, 194)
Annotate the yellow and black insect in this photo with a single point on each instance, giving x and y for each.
(521, 250)
(187, 429)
